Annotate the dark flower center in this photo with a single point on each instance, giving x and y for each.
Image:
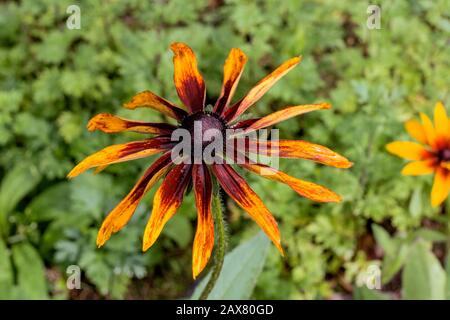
(205, 129)
(444, 155)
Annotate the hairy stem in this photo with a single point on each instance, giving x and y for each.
(220, 246)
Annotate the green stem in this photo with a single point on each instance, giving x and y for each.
(220, 246)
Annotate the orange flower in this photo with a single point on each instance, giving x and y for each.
(191, 90)
(431, 154)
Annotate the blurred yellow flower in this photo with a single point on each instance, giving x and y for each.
(431, 154)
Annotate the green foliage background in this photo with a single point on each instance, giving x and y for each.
(52, 80)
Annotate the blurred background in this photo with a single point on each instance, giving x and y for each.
(53, 79)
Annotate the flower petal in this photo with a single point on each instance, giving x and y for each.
(204, 236)
(441, 124)
(232, 71)
(112, 124)
(416, 130)
(122, 152)
(122, 213)
(167, 200)
(188, 80)
(407, 150)
(238, 189)
(441, 187)
(418, 168)
(306, 189)
(150, 100)
(260, 89)
(284, 114)
(299, 149)
(430, 133)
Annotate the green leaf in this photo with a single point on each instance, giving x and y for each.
(392, 263)
(423, 276)
(56, 195)
(447, 271)
(6, 274)
(431, 235)
(31, 278)
(15, 185)
(415, 205)
(364, 293)
(383, 239)
(241, 269)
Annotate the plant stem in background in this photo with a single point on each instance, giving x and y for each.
(221, 244)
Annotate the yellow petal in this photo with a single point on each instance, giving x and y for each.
(416, 130)
(150, 100)
(406, 149)
(440, 189)
(441, 123)
(418, 168)
(430, 133)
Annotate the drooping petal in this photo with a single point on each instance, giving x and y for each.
(112, 124)
(407, 150)
(299, 149)
(188, 80)
(232, 71)
(238, 189)
(260, 89)
(284, 114)
(441, 124)
(441, 187)
(416, 131)
(204, 236)
(418, 168)
(122, 152)
(430, 132)
(167, 200)
(122, 213)
(150, 100)
(306, 189)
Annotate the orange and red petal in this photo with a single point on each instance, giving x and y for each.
(109, 123)
(284, 114)
(238, 189)
(419, 168)
(204, 236)
(416, 131)
(150, 100)
(441, 187)
(188, 80)
(122, 213)
(232, 71)
(306, 189)
(260, 89)
(166, 202)
(407, 150)
(300, 149)
(122, 152)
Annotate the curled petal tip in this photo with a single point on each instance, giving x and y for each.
(326, 105)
